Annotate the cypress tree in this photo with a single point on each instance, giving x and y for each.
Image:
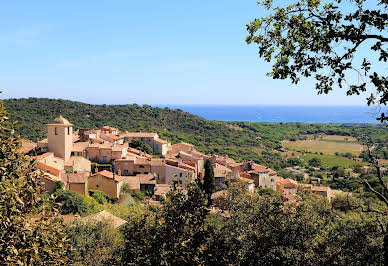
(209, 182)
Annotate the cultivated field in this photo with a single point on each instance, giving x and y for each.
(327, 145)
(332, 160)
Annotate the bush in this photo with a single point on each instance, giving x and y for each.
(99, 196)
(315, 162)
(95, 243)
(71, 202)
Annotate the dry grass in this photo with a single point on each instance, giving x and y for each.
(324, 146)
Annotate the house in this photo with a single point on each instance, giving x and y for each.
(221, 174)
(77, 182)
(289, 189)
(112, 138)
(158, 145)
(107, 182)
(106, 152)
(141, 182)
(160, 191)
(250, 183)
(223, 160)
(78, 164)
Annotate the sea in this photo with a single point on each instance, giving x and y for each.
(277, 113)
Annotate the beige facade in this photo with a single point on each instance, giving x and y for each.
(60, 137)
(107, 182)
(78, 164)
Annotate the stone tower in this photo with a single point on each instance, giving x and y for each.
(60, 137)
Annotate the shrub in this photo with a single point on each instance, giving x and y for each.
(99, 196)
(71, 202)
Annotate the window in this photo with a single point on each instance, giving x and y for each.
(55, 131)
(97, 185)
(68, 131)
(126, 164)
(180, 174)
(141, 166)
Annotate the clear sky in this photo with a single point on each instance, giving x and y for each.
(145, 52)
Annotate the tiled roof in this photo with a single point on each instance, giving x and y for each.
(109, 175)
(140, 134)
(44, 155)
(112, 136)
(248, 180)
(76, 178)
(47, 168)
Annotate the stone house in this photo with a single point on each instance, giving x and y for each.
(107, 182)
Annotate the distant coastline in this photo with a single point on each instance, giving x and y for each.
(278, 113)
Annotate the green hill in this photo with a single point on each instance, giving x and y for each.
(240, 140)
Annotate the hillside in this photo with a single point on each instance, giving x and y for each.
(240, 140)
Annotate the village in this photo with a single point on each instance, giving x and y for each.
(102, 159)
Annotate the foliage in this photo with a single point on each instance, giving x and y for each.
(25, 240)
(95, 243)
(173, 235)
(99, 196)
(139, 145)
(209, 181)
(302, 39)
(136, 195)
(239, 140)
(71, 202)
(315, 162)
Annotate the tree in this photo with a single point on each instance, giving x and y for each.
(70, 202)
(341, 43)
(25, 238)
(176, 234)
(95, 243)
(138, 144)
(315, 162)
(209, 182)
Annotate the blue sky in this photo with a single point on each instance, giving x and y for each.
(145, 52)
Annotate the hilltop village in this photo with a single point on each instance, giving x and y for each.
(103, 159)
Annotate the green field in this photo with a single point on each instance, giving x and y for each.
(332, 160)
(328, 145)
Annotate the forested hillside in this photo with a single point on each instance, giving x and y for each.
(240, 140)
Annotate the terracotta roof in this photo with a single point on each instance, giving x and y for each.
(248, 180)
(157, 162)
(47, 168)
(289, 183)
(142, 160)
(220, 167)
(235, 165)
(119, 148)
(109, 175)
(140, 134)
(74, 159)
(44, 155)
(161, 189)
(162, 141)
(80, 146)
(76, 178)
(111, 136)
(261, 168)
(197, 153)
